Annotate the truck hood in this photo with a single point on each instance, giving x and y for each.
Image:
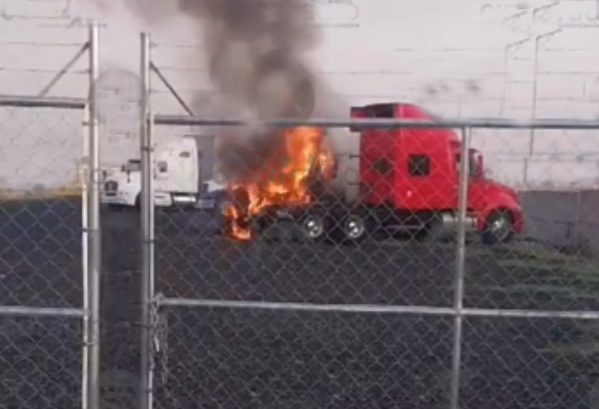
(504, 189)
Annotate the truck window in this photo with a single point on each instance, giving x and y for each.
(380, 110)
(382, 166)
(419, 165)
(162, 167)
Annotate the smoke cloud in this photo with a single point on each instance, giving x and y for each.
(255, 51)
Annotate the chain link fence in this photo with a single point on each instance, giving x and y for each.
(48, 327)
(274, 299)
(424, 293)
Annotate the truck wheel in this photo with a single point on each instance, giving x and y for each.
(356, 228)
(314, 226)
(261, 224)
(498, 228)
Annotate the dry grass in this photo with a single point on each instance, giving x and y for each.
(68, 191)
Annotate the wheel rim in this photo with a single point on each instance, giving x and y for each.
(500, 227)
(313, 226)
(354, 227)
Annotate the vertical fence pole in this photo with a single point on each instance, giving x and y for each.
(147, 228)
(85, 255)
(460, 266)
(577, 238)
(92, 327)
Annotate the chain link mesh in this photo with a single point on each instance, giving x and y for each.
(40, 215)
(268, 356)
(40, 256)
(41, 362)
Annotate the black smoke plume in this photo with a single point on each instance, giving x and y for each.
(255, 51)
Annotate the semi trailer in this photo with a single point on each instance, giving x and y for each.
(408, 181)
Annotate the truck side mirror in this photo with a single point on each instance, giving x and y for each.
(477, 162)
(480, 167)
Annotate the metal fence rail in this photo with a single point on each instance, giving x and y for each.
(50, 249)
(275, 322)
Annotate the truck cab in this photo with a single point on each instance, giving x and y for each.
(176, 177)
(409, 179)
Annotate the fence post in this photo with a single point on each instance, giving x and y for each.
(147, 229)
(460, 266)
(578, 239)
(92, 296)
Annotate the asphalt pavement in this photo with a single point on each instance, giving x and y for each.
(251, 358)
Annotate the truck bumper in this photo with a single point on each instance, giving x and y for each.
(118, 199)
(114, 200)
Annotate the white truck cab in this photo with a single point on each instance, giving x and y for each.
(176, 177)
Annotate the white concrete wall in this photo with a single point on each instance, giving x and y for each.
(563, 217)
(432, 52)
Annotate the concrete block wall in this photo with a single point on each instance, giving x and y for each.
(562, 217)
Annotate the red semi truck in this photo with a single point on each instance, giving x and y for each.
(408, 180)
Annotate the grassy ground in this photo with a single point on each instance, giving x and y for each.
(60, 193)
(273, 359)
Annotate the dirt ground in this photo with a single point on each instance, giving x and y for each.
(240, 358)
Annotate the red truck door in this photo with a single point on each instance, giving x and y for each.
(428, 179)
(476, 185)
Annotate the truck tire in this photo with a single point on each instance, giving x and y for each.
(498, 228)
(315, 226)
(261, 224)
(356, 228)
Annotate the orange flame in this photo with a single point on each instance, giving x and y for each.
(283, 185)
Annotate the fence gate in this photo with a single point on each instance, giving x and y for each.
(49, 235)
(282, 322)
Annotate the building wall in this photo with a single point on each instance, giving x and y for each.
(563, 217)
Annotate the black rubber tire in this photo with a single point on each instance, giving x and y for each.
(489, 236)
(261, 224)
(317, 233)
(366, 225)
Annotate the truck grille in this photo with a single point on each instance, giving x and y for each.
(111, 187)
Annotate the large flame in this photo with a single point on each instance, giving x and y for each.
(285, 181)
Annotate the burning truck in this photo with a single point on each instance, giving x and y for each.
(295, 178)
(256, 55)
(408, 181)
